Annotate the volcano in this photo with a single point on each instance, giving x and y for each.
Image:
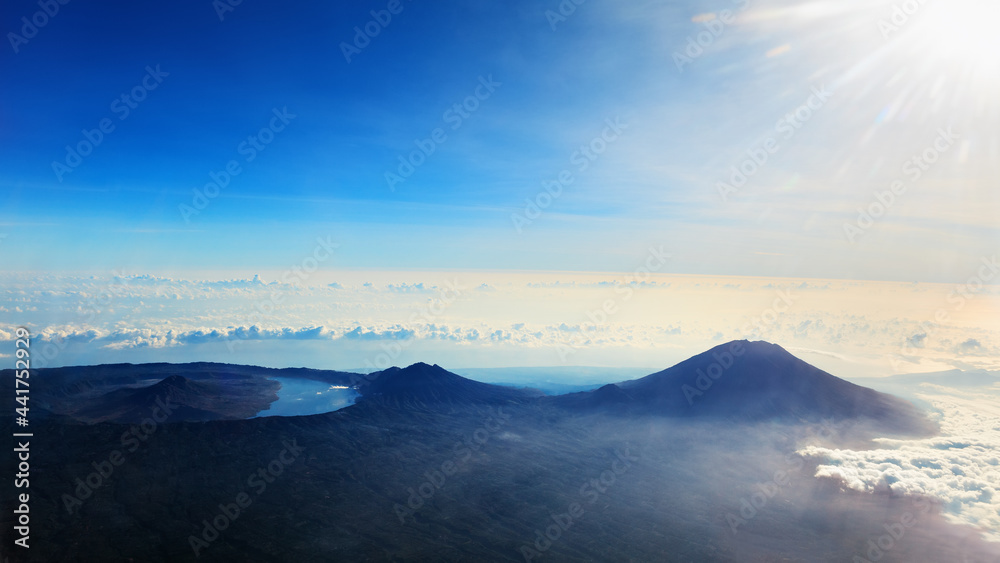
(423, 384)
(748, 381)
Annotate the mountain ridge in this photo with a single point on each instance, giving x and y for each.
(751, 381)
(739, 380)
(427, 384)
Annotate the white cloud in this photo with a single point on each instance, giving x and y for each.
(849, 328)
(960, 468)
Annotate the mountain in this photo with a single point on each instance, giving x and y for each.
(178, 399)
(73, 382)
(745, 380)
(423, 384)
(740, 380)
(109, 392)
(430, 466)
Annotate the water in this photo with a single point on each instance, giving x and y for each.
(298, 397)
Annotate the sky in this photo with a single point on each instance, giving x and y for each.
(842, 103)
(166, 170)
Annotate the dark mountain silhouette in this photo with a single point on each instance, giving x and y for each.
(430, 466)
(422, 384)
(608, 398)
(177, 399)
(70, 379)
(740, 380)
(102, 393)
(744, 380)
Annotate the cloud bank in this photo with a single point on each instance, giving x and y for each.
(960, 468)
(849, 328)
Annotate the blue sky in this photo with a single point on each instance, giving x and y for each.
(657, 182)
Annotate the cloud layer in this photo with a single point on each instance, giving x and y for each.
(849, 328)
(960, 468)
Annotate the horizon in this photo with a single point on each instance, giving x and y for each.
(348, 320)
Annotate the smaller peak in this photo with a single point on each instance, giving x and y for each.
(174, 380)
(423, 367)
(419, 371)
(173, 383)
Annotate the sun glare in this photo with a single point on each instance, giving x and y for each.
(959, 32)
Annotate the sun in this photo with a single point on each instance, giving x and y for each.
(962, 33)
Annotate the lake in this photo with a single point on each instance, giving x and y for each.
(298, 397)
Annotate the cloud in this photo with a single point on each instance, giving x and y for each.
(125, 281)
(147, 338)
(597, 284)
(659, 321)
(969, 346)
(501, 336)
(960, 468)
(410, 288)
(360, 333)
(800, 351)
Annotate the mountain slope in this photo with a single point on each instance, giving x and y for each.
(91, 393)
(177, 399)
(423, 384)
(751, 381)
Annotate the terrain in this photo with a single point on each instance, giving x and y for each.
(430, 466)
